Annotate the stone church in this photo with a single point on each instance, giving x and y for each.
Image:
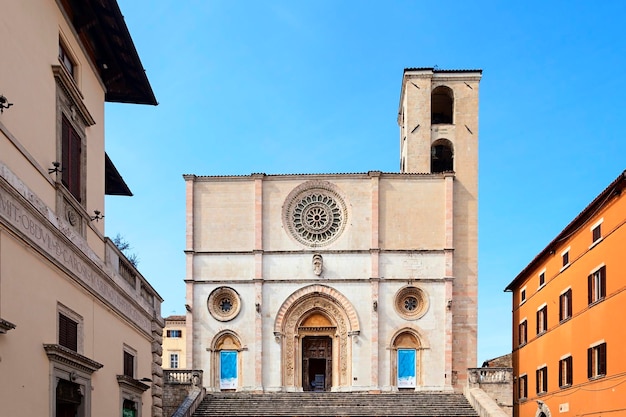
(344, 282)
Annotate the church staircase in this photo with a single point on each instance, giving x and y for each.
(336, 404)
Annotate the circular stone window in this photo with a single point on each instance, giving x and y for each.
(411, 303)
(315, 213)
(224, 304)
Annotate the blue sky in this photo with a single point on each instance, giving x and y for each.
(313, 86)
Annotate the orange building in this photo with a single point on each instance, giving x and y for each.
(568, 304)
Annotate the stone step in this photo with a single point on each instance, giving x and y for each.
(336, 404)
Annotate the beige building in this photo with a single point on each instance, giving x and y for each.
(344, 282)
(174, 343)
(80, 328)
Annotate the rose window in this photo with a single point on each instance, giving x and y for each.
(315, 213)
(411, 302)
(224, 304)
(317, 218)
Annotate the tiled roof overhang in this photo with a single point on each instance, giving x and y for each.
(104, 34)
(614, 189)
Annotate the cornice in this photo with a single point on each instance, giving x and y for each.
(61, 354)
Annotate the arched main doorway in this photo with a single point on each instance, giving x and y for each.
(315, 325)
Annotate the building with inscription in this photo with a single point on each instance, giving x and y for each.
(174, 343)
(80, 328)
(567, 338)
(344, 282)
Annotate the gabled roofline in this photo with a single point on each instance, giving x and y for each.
(614, 189)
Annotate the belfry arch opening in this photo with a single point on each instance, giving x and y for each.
(441, 156)
(442, 105)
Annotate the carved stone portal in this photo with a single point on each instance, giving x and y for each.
(311, 314)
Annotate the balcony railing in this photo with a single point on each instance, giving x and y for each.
(490, 375)
(183, 376)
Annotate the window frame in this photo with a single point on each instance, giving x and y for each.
(565, 305)
(129, 357)
(565, 258)
(74, 317)
(67, 60)
(596, 232)
(522, 295)
(542, 319)
(71, 159)
(566, 371)
(542, 278)
(174, 333)
(596, 285)
(522, 387)
(522, 330)
(174, 361)
(597, 360)
(541, 380)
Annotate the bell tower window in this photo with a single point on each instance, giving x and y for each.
(442, 105)
(441, 156)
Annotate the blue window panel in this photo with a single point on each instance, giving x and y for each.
(228, 369)
(406, 368)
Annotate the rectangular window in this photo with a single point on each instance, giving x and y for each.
(523, 387)
(565, 256)
(65, 59)
(522, 295)
(596, 361)
(596, 233)
(129, 364)
(175, 333)
(542, 320)
(542, 278)
(174, 360)
(71, 148)
(565, 372)
(523, 333)
(565, 305)
(542, 380)
(596, 285)
(68, 333)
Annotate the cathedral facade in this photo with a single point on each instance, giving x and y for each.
(344, 282)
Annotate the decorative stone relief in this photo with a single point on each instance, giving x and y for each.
(224, 304)
(336, 313)
(315, 213)
(411, 302)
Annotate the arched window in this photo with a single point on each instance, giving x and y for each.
(442, 105)
(441, 156)
(226, 361)
(405, 359)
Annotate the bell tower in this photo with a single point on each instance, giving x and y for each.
(438, 119)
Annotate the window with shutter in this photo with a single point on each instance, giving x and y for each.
(542, 380)
(565, 372)
(71, 148)
(68, 333)
(596, 361)
(565, 305)
(523, 333)
(523, 387)
(129, 364)
(596, 285)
